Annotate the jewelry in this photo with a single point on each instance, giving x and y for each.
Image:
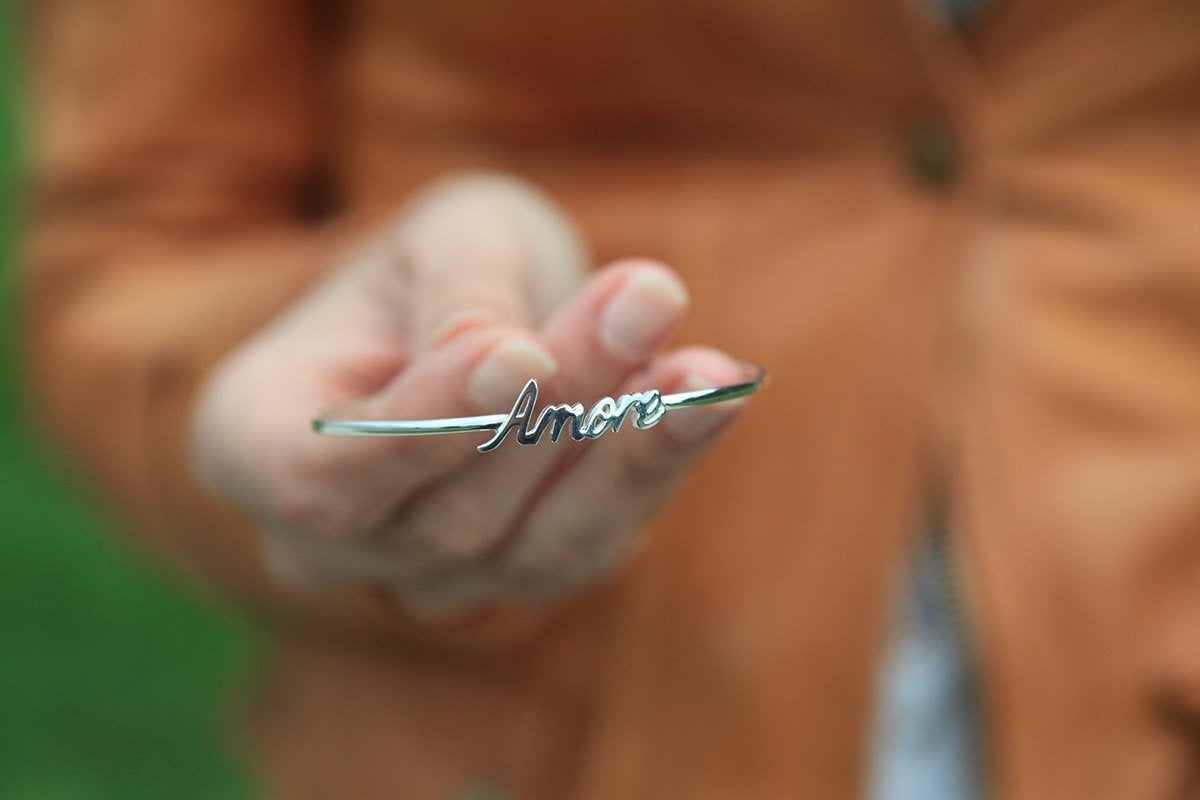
(646, 409)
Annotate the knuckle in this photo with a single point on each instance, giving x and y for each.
(454, 528)
(441, 208)
(298, 507)
(301, 501)
(493, 206)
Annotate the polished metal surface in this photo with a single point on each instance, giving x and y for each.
(645, 409)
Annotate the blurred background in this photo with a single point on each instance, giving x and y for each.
(114, 681)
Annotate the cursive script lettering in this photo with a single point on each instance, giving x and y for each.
(606, 414)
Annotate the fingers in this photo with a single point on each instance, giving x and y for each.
(583, 527)
(344, 488)
(432, 322)
(615, 326)
(585, 524)
(607, 332)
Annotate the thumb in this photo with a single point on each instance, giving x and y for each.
(484, 250)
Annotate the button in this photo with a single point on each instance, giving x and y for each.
(934, 154)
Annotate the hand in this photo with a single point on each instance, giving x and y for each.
(479, 287)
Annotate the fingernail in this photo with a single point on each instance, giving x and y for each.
(495, 383)
(699, 422)
(460, 322)
(641, 314)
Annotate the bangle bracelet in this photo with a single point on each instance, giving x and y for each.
(646, 409)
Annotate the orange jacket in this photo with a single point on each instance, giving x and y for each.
(970, 261)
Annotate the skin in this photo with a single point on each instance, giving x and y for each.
(478, 286)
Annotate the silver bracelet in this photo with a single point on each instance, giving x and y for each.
(607, 414)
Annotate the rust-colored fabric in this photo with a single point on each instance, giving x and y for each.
(970, 260)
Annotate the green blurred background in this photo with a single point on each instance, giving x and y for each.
(113, 680)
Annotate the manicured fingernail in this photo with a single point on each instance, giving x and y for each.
(641, 314)
(494, 384)
(700, 422)
(460, 322)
